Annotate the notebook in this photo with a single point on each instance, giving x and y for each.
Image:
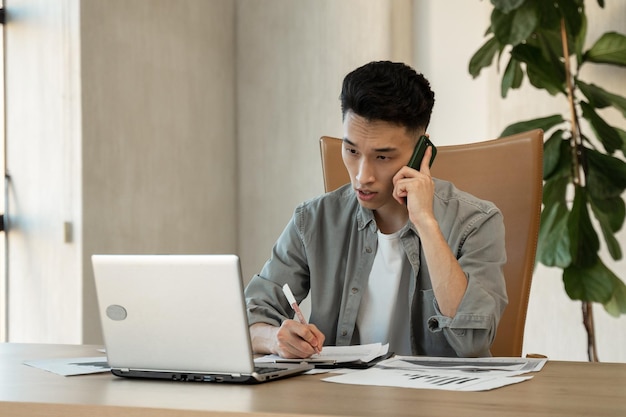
(178, 317)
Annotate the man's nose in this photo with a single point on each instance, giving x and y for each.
(366, 172)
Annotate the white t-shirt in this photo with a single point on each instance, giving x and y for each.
(384, 311)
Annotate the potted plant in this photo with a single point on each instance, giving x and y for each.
(544, 42)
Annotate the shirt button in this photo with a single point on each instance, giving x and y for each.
(355, 290)
(368, 249)
(433, 324)
(344, 332)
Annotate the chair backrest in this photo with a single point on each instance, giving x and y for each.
(507, 171)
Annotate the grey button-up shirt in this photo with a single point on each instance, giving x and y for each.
(328, 249)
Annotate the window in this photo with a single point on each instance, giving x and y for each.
(3, 245)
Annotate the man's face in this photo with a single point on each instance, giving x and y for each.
(373, 152)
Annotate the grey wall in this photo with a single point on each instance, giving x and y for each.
(291, 59)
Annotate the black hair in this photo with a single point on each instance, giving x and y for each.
(388, 91)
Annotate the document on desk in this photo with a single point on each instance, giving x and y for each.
(454, 374)
(338, 356)
(72, 366)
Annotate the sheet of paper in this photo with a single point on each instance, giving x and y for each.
(72, 366)
(503, 366)
(425, 380)
(455, 374)
(336, 354)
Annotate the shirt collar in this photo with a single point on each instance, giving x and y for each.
(365, 218)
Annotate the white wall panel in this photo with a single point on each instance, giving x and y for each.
(43, 159)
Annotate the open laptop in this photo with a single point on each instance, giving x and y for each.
(178, 317)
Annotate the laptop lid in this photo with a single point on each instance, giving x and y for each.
(180, 317)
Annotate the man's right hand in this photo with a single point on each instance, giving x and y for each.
(291, 340)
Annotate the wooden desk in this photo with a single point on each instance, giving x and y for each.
(560, 389)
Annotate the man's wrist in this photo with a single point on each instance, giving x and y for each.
(263, 338)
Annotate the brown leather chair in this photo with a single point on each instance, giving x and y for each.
(506, 171)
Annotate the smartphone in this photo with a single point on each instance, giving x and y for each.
(418, 153)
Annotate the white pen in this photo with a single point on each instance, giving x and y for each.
(295, 307)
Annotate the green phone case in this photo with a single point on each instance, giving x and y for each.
(418, 153)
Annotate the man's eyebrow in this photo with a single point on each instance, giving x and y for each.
(346, 140)
(383, 150)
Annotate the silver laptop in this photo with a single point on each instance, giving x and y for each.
(178, 317)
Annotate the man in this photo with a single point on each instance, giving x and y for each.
(393, 257)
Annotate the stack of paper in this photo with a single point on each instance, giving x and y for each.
(358, 356)
(456, 374)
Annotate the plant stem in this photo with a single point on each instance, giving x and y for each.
(575, 141)
(576, 147)
(592, 351)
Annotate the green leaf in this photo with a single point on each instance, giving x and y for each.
(593, 283)
(525, 20)
(514, 27)
(550, 16)
(554, 191)
(544, 123)
(572, 13)
(512, 77)
(600, 98)
(549, 42)
(501, 26)
(537, 77)
(505, 6)
(563, 168)
(606, 174)
(553, 245)
(609, 49)
(622, 135)
(609, 214)
(542, 73)
(483, 57)
(613, 209)
(606, 134)
(552, 152)
(617, 304)
(594, 94)
(579, 42)
(584, 242)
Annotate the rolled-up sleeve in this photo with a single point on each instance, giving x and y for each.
(481, 255)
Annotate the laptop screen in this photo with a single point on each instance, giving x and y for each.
(173, 312)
